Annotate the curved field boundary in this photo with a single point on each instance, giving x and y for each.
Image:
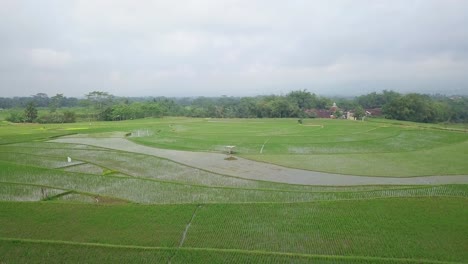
(249, 169)
(66, 191)
(418, 192)
(241, 251)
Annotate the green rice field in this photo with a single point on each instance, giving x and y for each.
(108, 205)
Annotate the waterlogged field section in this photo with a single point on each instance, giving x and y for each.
(148, 179)
(371, 148)
(334, 146)
(108, 206)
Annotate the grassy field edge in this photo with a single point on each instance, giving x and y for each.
(251, 252)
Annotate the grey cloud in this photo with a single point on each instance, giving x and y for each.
(233, 47)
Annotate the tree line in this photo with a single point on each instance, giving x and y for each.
(103, 106)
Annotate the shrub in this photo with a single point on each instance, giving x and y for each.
(65, 117)
(69, 117)
(16, 117)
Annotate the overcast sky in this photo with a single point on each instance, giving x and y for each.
(234, 48)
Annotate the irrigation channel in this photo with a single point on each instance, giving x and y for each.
(243, 168)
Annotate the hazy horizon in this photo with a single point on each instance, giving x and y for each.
(234, 48)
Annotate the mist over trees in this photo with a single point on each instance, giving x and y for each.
(98, 105)
(40, 99)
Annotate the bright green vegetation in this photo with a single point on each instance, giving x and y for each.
(395, 228)
(109, 206)
(120, 225)
(335, 146)
(418, 228)
(446, 160)
(40, 252)
(372, 148)
(286, 136)
(60, 252)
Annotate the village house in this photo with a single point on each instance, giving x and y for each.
(324, 113)
(332, 113)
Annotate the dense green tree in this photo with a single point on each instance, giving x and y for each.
(346, 103)
(281, 107)
(264, 108)
(377, 100)
(323, 103)
(300, 104)
(23, 101)
(153, 109)
(30, 113)
(69, 117)
(457, 109)
(302, 99)
(372, 100)
(247, 107)
(359, 112)
(100, 101)
(412, 107)
(41, 100)
(56, 102)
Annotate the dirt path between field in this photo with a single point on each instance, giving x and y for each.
(243, 168)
